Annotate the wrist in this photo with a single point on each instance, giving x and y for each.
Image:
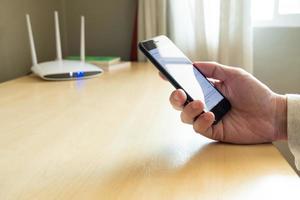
(280, 122)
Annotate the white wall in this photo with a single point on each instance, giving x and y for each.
(277, 58)
(277, 63)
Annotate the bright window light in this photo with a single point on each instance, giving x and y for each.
(289, 7)
(276, 13)
(263, 9)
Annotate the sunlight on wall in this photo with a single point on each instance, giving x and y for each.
(289, 7)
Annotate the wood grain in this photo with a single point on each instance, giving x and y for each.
(117, 137)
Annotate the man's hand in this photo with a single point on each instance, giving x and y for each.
(258, 115)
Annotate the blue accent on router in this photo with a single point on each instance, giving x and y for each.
(78, 74)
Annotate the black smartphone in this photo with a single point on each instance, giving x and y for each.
(181, 73)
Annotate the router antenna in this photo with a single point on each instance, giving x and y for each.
(57, 36)
(31, 41)
(82, 40)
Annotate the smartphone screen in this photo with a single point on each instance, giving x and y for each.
(182, 70)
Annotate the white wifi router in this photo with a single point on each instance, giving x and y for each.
(60, 69)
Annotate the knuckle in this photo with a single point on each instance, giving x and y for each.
(217, 135)
(182, 118)
(239, 70)
(187, 119)
(215, 63)
(196, 127)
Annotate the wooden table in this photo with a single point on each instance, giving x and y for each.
(117, 137)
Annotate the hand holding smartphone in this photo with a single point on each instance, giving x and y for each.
(181, 73)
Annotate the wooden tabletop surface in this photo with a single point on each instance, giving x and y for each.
(117, 137)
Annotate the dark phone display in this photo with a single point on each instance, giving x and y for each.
(183, 71)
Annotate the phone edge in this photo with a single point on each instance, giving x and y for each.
(224, 101)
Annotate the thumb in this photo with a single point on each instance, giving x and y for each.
(215, 70)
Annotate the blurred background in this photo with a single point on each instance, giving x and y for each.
(262, 37)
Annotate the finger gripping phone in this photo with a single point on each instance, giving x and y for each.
(181, 73)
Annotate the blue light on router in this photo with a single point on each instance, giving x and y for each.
(78, 74)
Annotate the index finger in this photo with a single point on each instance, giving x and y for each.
(178, 99)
